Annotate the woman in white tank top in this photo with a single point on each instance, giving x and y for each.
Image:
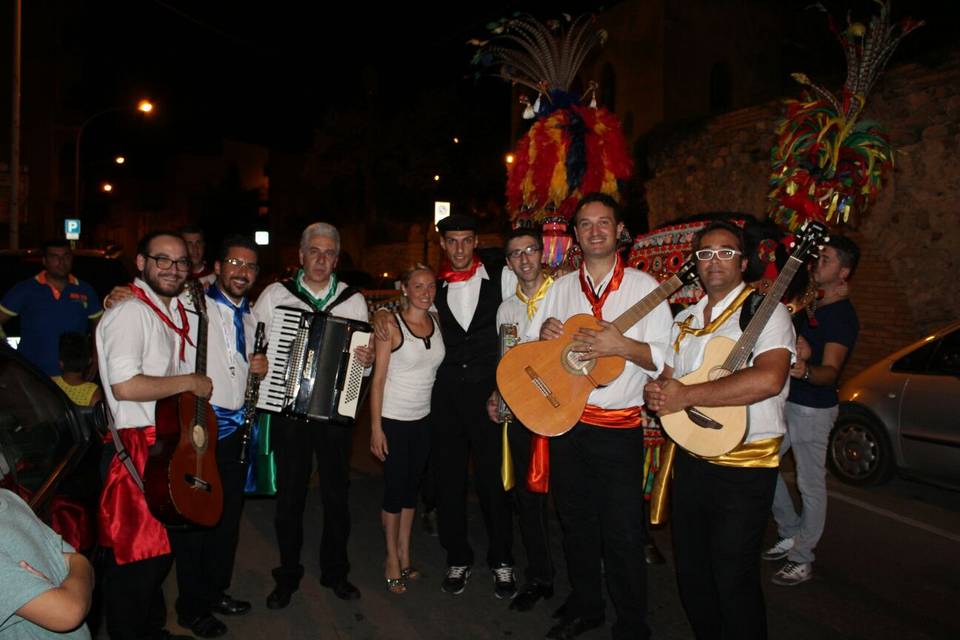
(406, 366)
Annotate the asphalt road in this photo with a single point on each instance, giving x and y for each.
(888, 567)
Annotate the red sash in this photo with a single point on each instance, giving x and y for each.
(124, 520)
(447, 274)
(183, 330)
(538, 471)
(627, 418)
(597, 303)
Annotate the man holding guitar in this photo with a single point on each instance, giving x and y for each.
(721, 504)
(597, 467)
(142, 351)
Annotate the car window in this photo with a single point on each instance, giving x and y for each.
(37, 435)
(916, 361)
(946, 358)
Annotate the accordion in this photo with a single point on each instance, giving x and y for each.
(313, 372)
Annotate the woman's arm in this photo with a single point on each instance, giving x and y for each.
(382, 350)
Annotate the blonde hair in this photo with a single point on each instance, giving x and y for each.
(405, 279)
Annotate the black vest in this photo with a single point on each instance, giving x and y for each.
(472, 354)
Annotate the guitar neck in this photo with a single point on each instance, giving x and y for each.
(744, 347)
(634, 314)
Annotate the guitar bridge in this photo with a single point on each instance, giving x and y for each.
(702, 420)
(197, 483)
(542, 387)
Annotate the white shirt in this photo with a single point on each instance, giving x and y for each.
(133, 340)
(462, 297)
(764, 418)
(277, 295)
(565, 299)
(225, 366)
(411, 372)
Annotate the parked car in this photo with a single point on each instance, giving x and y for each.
(901, 414)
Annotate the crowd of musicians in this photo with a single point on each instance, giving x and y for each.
(431, 370)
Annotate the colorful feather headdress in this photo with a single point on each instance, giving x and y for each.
(571, 149)
(828, 164)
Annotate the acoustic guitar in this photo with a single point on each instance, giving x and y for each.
(546, 384)
(714, 431)
(181, 480)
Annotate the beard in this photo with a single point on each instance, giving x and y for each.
(234, 287)
(165, 287)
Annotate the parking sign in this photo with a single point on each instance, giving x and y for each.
(71, 228)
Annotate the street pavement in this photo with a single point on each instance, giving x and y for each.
(888, 567)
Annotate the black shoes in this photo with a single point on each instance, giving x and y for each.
(572, 627)
(456, 579)
(279, 598)
(342, 589)
(206, 626)
(529, 596)
(504, 584)
(227, 606)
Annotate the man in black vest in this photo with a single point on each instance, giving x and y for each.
(467, 303)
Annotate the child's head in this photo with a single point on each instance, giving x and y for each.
(74, 353)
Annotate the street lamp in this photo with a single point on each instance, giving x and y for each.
(106, 187)
(119, 159)
(144, 106)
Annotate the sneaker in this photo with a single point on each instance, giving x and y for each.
(793, 573)
(455, 580)
(778, 551)
(504, 585)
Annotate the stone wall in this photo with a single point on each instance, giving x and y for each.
(906, 285)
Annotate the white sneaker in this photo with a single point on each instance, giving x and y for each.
(778, 551)
(793, 573)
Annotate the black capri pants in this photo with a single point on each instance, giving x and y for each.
(408, 443)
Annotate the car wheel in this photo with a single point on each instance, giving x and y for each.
(859, 451)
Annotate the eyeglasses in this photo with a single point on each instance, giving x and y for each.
(183, 264)
(528, 251)
(252, 267)
(722, 254)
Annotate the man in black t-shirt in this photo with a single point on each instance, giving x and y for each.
(823, 344)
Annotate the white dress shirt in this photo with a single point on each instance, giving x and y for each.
(765, 418)
(462, 297)
(565, 299)
(133, 340)
(277, 295)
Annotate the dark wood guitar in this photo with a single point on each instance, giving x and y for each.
(714, 431)
(181, 480)
(546, 384)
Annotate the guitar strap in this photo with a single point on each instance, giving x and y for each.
(122, 453)
(749, 309)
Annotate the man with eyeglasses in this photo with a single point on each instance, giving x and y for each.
(315, 288)
(205, 556)
(50, 304)
(524, 252)
(142, 344)
(596, 468)
(721, 505)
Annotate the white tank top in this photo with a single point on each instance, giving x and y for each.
(411, 372)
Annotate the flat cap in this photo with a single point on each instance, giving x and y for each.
(457, 222)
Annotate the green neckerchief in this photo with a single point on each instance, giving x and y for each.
(318, 304)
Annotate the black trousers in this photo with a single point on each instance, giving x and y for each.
(596, 475)
(296, 443)
(719, 516)
(409, 445)
(460, 426)
(531, 509)
(205, 556)
(133, 597)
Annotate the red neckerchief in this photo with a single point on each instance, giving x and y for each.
(597, 303)
(183, 331)
(447, 274)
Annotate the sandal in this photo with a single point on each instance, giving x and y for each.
(410, 573)
(396, 585)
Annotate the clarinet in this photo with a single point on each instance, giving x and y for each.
(250, 398)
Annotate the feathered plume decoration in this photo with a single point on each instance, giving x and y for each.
(571, 149)
(826, 163)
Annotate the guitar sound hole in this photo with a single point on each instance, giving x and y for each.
(199, 436)
(573, 364)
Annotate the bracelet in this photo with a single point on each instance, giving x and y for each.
(806, 375)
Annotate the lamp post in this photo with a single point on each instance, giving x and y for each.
(144, 106)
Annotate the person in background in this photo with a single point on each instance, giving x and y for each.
(192, 234)
(406, 367)
(50, 304)
(75, 361)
